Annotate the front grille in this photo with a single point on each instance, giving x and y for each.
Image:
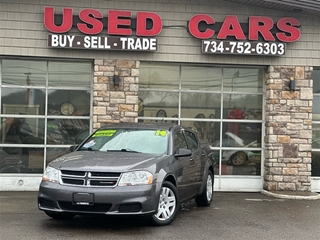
(98, 208)
(89, 179)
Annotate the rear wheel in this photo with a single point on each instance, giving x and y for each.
(205, 198)
(168, 205)
(60, 216)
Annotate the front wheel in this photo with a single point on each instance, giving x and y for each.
(168, 206)
(205, 198)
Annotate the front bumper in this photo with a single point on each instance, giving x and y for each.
(128, 200)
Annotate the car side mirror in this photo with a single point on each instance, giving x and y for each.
(73, 147)
(183, 152)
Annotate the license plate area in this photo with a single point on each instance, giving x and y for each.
(83, 199)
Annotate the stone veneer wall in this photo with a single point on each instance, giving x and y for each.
(288, 129)
(111, 104)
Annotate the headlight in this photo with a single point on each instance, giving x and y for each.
(51, 174)
(135, 178)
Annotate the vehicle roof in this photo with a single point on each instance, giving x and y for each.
(140, 125)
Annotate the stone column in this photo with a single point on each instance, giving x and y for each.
(288, 136)
(112, 104)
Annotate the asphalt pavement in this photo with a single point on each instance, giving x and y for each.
(231, 216)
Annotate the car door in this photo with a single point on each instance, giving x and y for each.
(183, 165)
(197, 160)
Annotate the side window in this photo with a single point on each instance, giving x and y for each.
(192, 140)
(179, 141)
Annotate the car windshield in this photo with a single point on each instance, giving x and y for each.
(128, 140)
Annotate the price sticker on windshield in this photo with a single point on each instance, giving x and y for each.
(104, 133)
(161, 133)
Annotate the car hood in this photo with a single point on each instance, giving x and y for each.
(101, 161)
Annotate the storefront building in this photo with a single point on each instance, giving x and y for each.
(245, 75)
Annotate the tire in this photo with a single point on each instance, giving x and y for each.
(60, 216)
(205, 198)
(168, 206)
(239, 158)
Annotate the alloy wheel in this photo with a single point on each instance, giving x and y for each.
(167, 204)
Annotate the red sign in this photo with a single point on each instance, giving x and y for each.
(202, 26)
(287, 28)
(118, 23)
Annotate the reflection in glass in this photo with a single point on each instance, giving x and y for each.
(21, 160)
(23, 73)
(158, 76)
(316, 81)
(152, 102)
(240, 134)
(193, 103)
(316, 135)
(67, 131)
(242, 106)
(54, 153)
(244, 160)
(22, 101)
(315, 164)
(201, 78)
(21, 130)
(316, 108)
(243, 80)
(239, 161)
(208, 132)
(62, 74)
(69, 102)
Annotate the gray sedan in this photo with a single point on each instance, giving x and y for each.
(130, 169)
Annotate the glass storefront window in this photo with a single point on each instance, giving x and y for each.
(53, 153)
(200, 105)
(243, 80)
(23, 73)
(159, 76)
(71, 74)
(67, 131)
(21, 160)
(315, 154)
(315, 163)
(209, 132)
(158, 104)
(69, 102)
(237, 134)
(242, 106)
(316, 107)
(47, 110)
(22, 130)
(27, 101)
(201, 78)
(209, 99)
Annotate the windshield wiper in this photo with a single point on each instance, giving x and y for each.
(124, 150)
(87, 149)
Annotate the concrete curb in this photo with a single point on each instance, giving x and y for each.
(293, 195)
